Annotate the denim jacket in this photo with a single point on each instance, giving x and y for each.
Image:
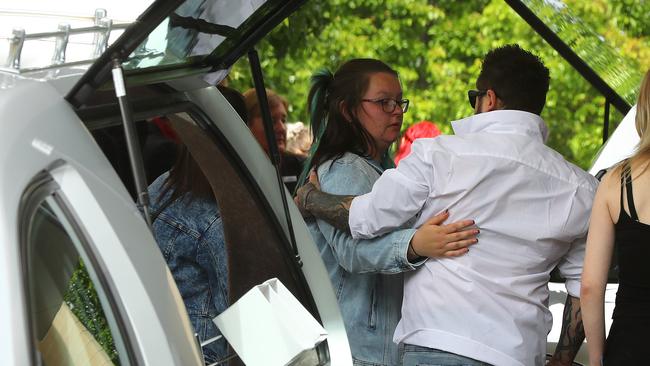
(366, 274)
(191, 239)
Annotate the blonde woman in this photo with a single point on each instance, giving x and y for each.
(620, 220)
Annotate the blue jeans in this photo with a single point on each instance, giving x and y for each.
(422, 356)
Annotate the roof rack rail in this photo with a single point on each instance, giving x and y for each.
(102, 28)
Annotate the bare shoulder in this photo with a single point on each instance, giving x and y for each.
(609, 191)
(612, 179)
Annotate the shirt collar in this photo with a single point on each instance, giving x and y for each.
(503, 121)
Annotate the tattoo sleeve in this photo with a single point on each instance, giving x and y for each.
(333, 209)
(572, 333)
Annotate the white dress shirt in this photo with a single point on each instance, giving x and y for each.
(532, 208)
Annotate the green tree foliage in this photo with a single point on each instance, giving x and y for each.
(82, 300)
(437, 47)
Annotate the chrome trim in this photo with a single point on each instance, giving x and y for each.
(15, 48)
(102, 29)
(61, 44)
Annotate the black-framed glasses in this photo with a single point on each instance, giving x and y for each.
(388, 105)
(473, 94)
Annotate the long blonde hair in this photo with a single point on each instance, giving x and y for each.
(642, 121)
(643, 116)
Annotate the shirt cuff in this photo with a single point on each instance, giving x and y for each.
(358, 218)
(573, 287)
(401, 246)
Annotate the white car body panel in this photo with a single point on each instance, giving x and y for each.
(50, 133)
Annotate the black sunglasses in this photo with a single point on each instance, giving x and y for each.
(473, 94)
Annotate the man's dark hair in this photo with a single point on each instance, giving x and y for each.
(518, 78)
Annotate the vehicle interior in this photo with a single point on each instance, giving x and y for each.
(258, 248)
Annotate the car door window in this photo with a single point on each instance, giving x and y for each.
(252, 246)
(69, 322)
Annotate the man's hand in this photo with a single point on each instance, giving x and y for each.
(333, 209)
(435, 240)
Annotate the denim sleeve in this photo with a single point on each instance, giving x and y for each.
(212, 258)
(384, 254)
(214, 261)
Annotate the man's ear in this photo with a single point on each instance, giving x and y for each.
(344, 111)
(494, 103)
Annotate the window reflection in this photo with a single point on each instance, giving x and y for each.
(68, 321)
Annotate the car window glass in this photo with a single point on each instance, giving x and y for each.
(618, 72)
(68, 321)
(194, 29)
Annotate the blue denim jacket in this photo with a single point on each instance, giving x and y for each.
(191, 239)
(366, 274)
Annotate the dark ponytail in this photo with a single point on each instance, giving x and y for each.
(317, 104)
(317, 99)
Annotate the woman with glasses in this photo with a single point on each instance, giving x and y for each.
(356, 114)
(620, 219)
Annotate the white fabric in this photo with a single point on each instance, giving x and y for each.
(532, 208)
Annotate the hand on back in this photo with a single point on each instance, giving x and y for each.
(439, 241)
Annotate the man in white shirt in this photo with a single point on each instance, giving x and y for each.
(489, 306)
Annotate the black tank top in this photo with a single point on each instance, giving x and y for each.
(633, 250)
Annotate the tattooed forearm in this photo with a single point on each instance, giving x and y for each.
(572, 333)
(333, 209)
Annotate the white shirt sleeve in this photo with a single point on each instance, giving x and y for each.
(396, 196)
(571, 266)
(578, 219)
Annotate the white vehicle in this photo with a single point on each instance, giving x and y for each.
(82, 279)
